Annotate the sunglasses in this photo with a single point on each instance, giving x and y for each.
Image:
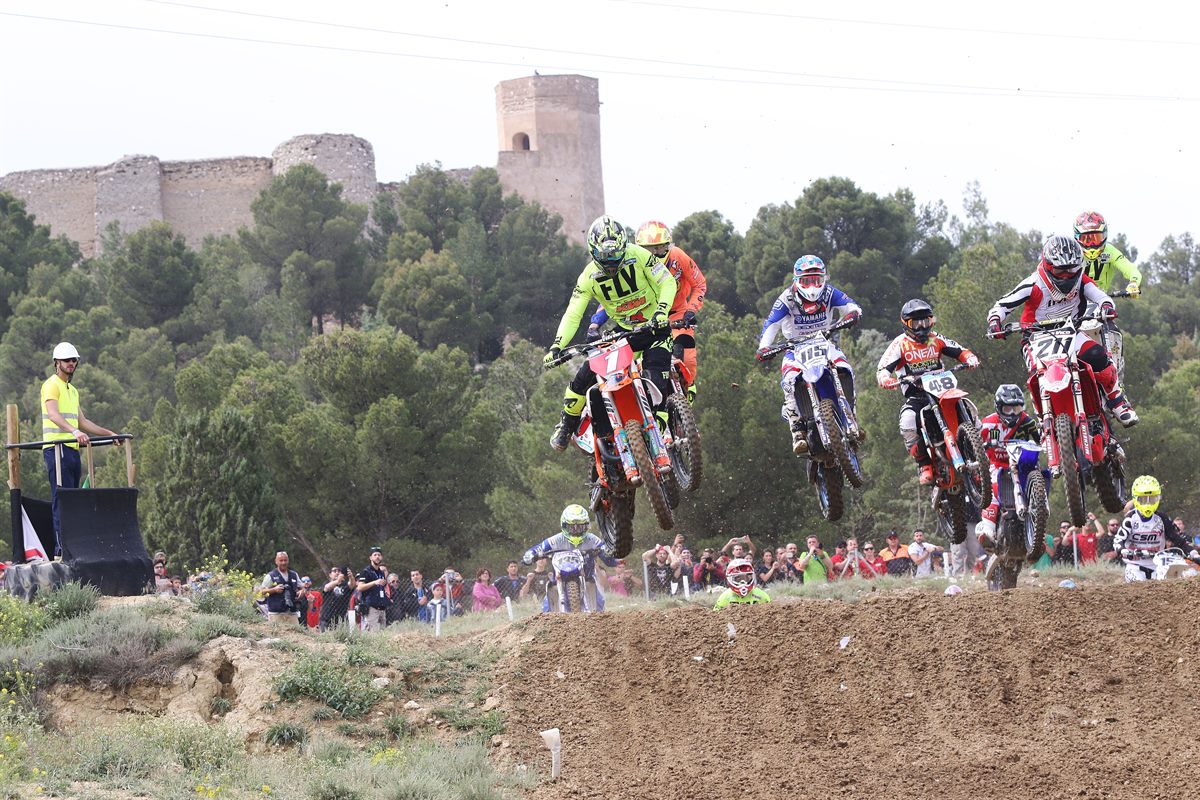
(868, 549)
(70, 360)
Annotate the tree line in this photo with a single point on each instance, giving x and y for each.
(335, 377)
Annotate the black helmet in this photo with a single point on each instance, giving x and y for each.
(917, 318)
(1009, 395)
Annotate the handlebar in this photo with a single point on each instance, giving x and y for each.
(790, 343)
(615, 335)
(914, 379)
(1045, 325)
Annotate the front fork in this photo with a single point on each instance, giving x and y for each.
(614, 419)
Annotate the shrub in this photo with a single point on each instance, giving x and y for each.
(330, 789)
(286, 734)
(71, 600)
(397, 727)
(20, 619)
(219, 706)
(116, 646)
(322, 714)
(206, 627)
(347, 691)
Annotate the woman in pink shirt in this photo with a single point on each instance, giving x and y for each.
(486, 596)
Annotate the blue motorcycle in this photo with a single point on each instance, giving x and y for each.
(1024, 510)
(575, 591)
(832, 430)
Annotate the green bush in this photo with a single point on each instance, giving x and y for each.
(397, 727)
(286, 734)
(71, 600)
(219, 706)
(206, 627)
(20, 619)
(331, 789)
(227, 603)
(347, 691)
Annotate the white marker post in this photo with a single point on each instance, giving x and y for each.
(646, 579)
(553, 740)
(508, 605)
(437, 620)
(687, 588)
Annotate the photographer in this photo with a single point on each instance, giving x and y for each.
(709, 574)
(769, 570)
(372, 588)
(737, 547)
(282, 588)
(814, 565)
(335, 599)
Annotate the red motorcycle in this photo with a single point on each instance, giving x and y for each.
(1075, 430)
(634, 452)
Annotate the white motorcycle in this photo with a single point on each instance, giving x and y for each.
(1168, 565)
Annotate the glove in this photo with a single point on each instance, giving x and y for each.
(689, 318)
(527, 559)
(593, 333)
(851, 318)
(1108, 311)
(996, 329)
(889, 382)
(659, 319)
(972, 361)
(1126, 552)
(1194, 554)
(551, 356)
(761, 355)
(1133, 290)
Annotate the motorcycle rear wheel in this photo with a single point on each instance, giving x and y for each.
(846, 458)
(686, 459)
(1004, 576)
(953, 511)
(650, 480)
(1110, 485)
(1036, 516)
(616, 522)
(1064, 434)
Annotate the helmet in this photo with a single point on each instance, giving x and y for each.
(574, 521)
(739, 575)
(1010, 402)
(64, 350)
(917, 318)
(1063, 257)
(1146, 494)
(1091, 231)
(606, 242)
(655, 237)
(808, 277)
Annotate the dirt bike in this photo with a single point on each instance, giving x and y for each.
(1169, 564)
(634, 453)
(832, 429)
(1024, 509)
(571, 586)
(949, 425)
(1076, 433)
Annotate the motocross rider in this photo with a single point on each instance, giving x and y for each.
(807, 307)
(1100, 261)
(689, 296)
(574, 535)
(739, 576)
(635, 288)
(916, 351)
(1146, 530)
(1010, 423)
(1058, 289)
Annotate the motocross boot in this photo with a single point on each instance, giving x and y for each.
(799, 430)
(1114, 398)
(564, 431)
(924, 465)
(990, 568)
(986, 532)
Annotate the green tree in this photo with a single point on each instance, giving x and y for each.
(23, 245)
(149, 279)
(716, 246)
(432, 204)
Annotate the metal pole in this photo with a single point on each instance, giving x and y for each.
(437, 620)
(96, 440)
(1075, 546)
(508, 605)
(646, 579)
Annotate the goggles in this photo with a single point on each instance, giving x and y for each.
(577, 528)
(921, 322)
(811, 281)
(1091, 239)
(742, 578)
(1148, 499)
(1011, 410)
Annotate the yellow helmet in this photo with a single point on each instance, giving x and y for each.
(1147, 493)
(574, 521)
(655, 237)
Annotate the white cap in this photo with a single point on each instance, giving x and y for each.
(64, 350)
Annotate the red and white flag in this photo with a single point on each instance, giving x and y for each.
(33, 545)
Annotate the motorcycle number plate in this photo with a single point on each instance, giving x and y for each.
(566, 560)
(1047, 345)
(939, 382)
(813, 352)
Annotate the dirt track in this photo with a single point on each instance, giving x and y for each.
(1047, 693)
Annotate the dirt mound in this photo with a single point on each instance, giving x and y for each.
(1035, 693)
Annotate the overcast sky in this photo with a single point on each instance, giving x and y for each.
(716, 104)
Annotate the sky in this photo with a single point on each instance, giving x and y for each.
(1052, 108)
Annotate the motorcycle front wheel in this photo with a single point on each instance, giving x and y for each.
(1036, 514)
(846, 457)
(614, 518)
(828, 484)
(1064, 434)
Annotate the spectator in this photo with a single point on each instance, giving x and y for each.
(438, 605)
(1183, 532)
(162, 584)
(335, 599)
(769, 570)
(737, 547)
(678, 546)
(874, 560)
(313, 600)
(660, 572)
(687, 569)
(415, 600)
(853, 563)
(1087, 539)
(897, 560)
(509, 585)
(1065, 552)
(485, 596)
(709, 574)
(814, 566)
(622, 581)
(1047, 558)
(839, 551)
(281, 587)
(923, 554)
(537, 581)
(177, 586)
(1104, 541)
(372, 589)
(455, 586)
(395, 609)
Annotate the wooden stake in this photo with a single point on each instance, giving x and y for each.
(130, 469)
(14, 455)
(91, 472)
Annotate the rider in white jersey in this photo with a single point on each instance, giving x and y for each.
(1144, 530)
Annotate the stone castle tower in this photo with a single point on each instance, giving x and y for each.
(549, 129)
(549, 143)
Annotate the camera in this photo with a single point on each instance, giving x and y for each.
(708, 559)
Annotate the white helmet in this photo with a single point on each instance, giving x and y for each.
(64, 350)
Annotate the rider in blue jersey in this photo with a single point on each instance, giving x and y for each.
(575, 536)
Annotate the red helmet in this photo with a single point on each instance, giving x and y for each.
(1091, 231)
(739, 576)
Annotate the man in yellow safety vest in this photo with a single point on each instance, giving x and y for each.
(63, 421)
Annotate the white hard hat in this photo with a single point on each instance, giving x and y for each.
(64, 350)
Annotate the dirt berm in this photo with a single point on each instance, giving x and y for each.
(1048, 693)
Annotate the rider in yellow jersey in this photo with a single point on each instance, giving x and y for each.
(634, 288)
(739, 575)
(1101, 262)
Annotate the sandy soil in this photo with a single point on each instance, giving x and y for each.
(1040, 693)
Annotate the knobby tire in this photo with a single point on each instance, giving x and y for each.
(685, 460)
(837, 445)
(1064, 434)
(650, 481)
